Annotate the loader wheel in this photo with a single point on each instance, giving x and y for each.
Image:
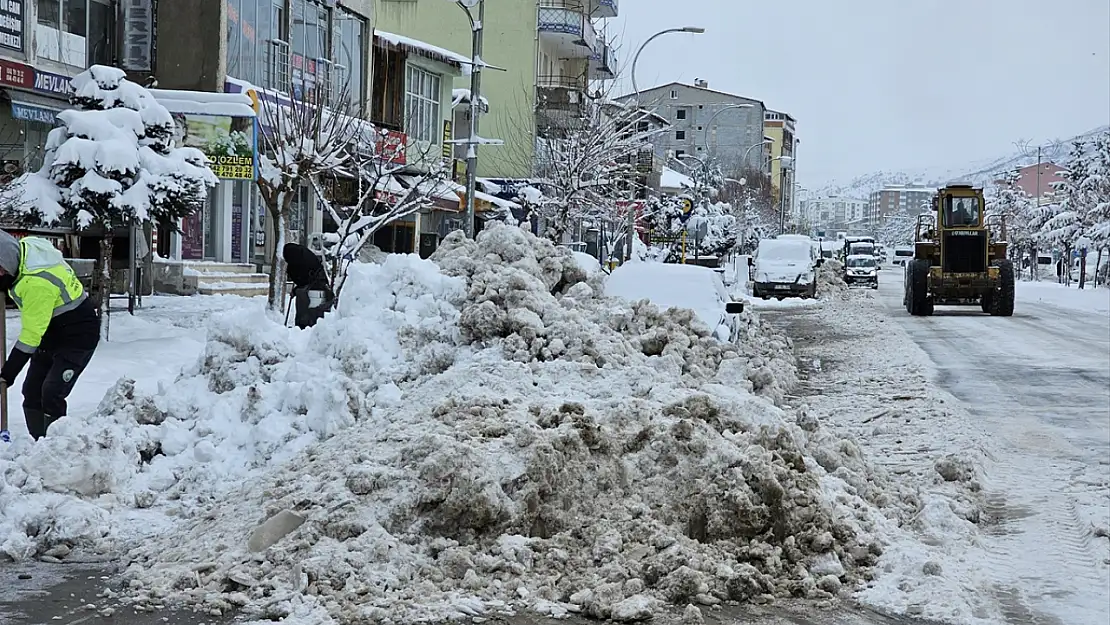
(987, 302)
(1002, 304)
(920, 304)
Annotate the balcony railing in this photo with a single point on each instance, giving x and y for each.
(604, 8)
(568, 23)
(602, 63)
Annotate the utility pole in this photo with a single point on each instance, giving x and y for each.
(476, 26)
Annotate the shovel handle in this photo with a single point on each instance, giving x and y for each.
(4, 435)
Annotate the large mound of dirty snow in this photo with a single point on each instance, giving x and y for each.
(486, 437)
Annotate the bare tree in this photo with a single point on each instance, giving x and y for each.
(378, 195)
(584, 171)
(302, 139)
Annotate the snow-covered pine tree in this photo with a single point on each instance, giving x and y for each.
(112, 162)
(1061, 222)
(1008, 201)
(1095, 186)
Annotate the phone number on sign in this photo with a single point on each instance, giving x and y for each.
(236, 172)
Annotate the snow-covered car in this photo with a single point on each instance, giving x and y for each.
(862, 269)
(785, 267)
(902, 254)
(680, 286)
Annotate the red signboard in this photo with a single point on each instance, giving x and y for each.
(391, 146)
(14, 74)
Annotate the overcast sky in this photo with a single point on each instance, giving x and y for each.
(889, 84)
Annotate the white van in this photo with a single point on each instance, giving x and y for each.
(903, 254)
(785, 267)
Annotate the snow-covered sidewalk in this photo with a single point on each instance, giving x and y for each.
(1091, 299)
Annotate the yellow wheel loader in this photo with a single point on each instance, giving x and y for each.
(959, 257)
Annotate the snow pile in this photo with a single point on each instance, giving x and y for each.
(259, 395)
(497, 438)
(830, 280)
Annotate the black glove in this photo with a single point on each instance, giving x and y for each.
(17, 359)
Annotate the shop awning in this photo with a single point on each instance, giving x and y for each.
(444, 194)
(35, 108)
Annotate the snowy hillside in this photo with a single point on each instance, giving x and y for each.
(980, 172)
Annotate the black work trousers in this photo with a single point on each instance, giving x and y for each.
(51, 375)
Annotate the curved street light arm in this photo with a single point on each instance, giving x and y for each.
(731, 107)
(636, 58)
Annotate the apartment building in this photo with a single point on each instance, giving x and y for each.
(897, 200)
(729, 126)
(833, 213)
(779, 130)
(1036, 180)
(43, 44)
(552, 53)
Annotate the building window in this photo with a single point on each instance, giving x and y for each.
(674, 94)
(422, 93)
(681, 114)
(679, 153)
(102, 30)
(319, 55)
(642, 127)
(60, 35)
(680, 135)
(699, 128)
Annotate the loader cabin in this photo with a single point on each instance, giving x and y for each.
(963, 239)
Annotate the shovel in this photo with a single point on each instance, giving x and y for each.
(4, 434)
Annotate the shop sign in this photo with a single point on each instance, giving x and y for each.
(28, 113)
(49, 82)
(138, 35)
(448, 147)
(391, 146)
(230, 143)
(14, 74)
(11, 24)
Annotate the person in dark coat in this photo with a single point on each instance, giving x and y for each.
(312, 294)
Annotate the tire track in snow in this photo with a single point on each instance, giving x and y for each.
(1041, 563)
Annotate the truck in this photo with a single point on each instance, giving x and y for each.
(959, 257)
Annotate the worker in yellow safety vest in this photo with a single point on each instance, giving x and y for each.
(60, 327)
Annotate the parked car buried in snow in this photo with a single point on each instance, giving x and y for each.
(680, 286)
(861, 269)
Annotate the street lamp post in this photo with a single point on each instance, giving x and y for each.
(476, 27)
(744, 157)
(705, 136)
(636, 97)
(786, 161)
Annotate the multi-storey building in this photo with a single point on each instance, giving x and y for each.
(550, 51)
(700, 118)
(897, 200)
(779, 129)
(1036, 180)
(833, 214)
(43, 44)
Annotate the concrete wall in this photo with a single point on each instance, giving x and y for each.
(192, 44)
(730, 134)
(510, 42)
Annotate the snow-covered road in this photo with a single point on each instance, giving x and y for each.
(1038, 385)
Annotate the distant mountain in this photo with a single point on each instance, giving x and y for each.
(980, 173)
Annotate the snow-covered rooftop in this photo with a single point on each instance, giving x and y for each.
(204, 103)
(675, 180)
(436, 53)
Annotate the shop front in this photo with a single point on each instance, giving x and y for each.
(224, 127)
